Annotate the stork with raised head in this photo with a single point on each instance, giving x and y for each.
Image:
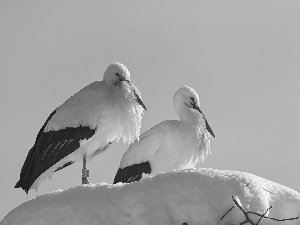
(171, 144)
(84, 126)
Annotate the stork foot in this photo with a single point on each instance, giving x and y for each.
(84, 180)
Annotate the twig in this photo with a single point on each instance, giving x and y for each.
(243, 210)
(257, 214)
(267, 190)
(226, 213)
(263, 215)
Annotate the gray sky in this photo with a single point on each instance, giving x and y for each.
(242, 58)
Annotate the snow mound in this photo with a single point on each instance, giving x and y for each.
(190, 197)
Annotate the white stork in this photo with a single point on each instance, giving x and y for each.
(171, 144)
(84, 126)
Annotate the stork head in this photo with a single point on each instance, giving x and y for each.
(185, 97)
(186, 100)
(116, 72)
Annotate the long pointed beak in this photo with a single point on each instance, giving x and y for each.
(139, 100)
(208, 128)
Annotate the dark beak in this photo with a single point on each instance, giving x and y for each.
(208, 128)
(139, 100)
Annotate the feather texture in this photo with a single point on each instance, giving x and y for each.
(171, 144)
(85, 124)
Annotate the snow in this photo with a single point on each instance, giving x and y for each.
(193, 197)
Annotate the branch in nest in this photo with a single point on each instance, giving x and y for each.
(257, 214)
(227, 213)
(264, 214)
(243, 210)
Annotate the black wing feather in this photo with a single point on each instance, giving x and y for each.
(64, 166)
(53, 155)
(132, 173)
(31, 154)
(49, 148)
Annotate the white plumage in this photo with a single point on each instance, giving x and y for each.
(171, 144)
(85, 125)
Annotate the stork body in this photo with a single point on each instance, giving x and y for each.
(84, 126)
(172, 144)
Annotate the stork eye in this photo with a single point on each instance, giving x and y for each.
(193, 100)
(120, 78)
(193, 103)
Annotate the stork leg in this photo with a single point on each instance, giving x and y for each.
(85, 172)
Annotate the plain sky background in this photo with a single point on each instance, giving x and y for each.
(242, 58)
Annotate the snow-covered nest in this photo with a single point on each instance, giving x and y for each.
(201, 197)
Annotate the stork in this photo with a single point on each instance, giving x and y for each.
(171, 144)
(84, 126)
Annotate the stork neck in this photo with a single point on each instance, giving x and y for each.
(187, 115)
